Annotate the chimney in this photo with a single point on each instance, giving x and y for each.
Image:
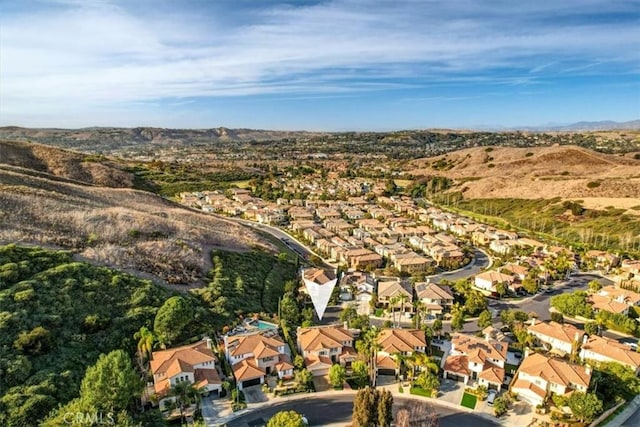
(577, 337)
(526, 352)
(587, 369)
(345, 325)
(209, 343)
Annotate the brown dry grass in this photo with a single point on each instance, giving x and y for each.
(558, 171)
(125, 228)
(63, 164)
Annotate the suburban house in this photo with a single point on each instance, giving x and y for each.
(322, 346)
(474, 358)
(194, 363)
(388, 290)
(254, 356)
(615, 300)
(436, 299)
(540, 375)
(397, 341)
(604, 349)
(489, 279)
(562, 338)
(357, 285)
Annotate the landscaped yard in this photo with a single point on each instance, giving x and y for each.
(420, 391)
(469, 401)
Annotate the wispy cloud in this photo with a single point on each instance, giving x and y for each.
(101, 53)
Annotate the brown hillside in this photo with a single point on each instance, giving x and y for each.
(64, 164)
(125, 228)
(541, 172)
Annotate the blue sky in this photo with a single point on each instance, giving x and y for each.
(318, 65)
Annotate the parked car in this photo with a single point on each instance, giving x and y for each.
(517, 355)
(491, 397)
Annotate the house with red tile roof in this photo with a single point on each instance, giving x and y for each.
(323, 346)
(194, 363)
(437, 299)
(603, 349)
(540, 375)
(477, 359)
(489, 279)
(397, 342)
(256, 355)
(562, 338)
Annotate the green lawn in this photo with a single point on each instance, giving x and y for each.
(469, 401)
(419, 391)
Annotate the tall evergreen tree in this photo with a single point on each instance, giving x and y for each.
(385, 404)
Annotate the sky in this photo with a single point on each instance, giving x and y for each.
(318, 65)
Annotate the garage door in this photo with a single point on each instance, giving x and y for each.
(249, 383)
(455, 377)
(386, 372)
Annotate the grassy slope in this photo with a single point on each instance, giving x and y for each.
(550, 219)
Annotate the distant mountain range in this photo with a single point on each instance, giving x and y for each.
(588, 126)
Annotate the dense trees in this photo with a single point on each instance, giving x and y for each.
(171, 320)
(372, 408)
(108, 390)
(617, 322)
(249, 282)
(584, 406)
(53, 326)
(573, 304)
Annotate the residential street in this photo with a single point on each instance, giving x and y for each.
(336, 410)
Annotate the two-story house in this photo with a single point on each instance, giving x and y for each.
(603, 349)
(614, 300)
(397, 341)
(474, 358)
(489, 279)
(540, 375)
(322, 346)
(436, 299)
(194, 363)
(388, 291)
(562, 338)
(254, 356)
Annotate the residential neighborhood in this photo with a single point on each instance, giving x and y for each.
(388, 258)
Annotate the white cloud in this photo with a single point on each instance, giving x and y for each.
(96, 54)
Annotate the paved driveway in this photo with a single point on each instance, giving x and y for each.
(254, 394)
(451, 391)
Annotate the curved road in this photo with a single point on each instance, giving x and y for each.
(336, 410)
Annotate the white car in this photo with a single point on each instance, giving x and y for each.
(491, 397)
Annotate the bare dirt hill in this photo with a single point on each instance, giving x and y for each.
(120, 227)
(92, 170)
(541, 172)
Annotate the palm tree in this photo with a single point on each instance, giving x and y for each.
(146, 339)
(393, 301)
(425, 363)
(418, 305)
(402, 299)
(370, 347)
(184, 393)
